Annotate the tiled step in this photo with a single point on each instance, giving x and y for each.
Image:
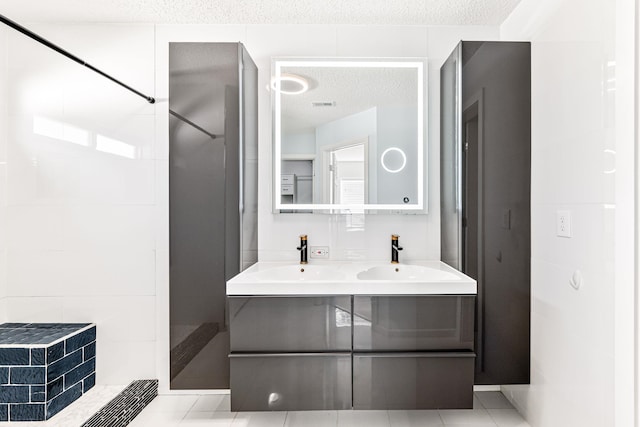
(125, 406)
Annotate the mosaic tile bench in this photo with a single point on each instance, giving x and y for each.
(44, 367)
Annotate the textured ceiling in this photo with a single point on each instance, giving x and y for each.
(356, 12)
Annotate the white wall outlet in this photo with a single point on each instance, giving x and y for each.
(563, 223)
(319, 251)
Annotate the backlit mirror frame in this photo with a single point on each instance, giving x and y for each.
(420, 66)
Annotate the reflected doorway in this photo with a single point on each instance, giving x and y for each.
(346, 178)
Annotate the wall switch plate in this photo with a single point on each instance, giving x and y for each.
(319, 251)
(563, 223)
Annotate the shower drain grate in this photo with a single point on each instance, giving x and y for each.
(125, 406)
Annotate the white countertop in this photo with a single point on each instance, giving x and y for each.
(341, 278)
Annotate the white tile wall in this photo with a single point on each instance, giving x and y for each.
(577, 141)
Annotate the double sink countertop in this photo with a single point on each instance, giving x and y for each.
(351, 278)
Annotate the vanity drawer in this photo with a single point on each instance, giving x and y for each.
(413, 323)
(289, 382)
(413, 380)
(290, 324)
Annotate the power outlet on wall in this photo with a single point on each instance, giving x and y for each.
(563, 223)
(319, 251)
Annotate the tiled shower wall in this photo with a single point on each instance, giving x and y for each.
(87, 209)
(81, 183)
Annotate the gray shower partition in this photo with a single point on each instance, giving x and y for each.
(213, 199)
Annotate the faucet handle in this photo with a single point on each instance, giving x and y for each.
(394, 242)
(303, 242)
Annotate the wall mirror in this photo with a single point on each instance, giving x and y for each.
(349, 135)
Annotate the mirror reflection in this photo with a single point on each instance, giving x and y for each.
(348, 135)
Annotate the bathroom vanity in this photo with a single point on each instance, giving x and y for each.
(351, 335)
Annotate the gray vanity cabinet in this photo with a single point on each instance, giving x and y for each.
(342, 352)
(413, 323)
(417, 380)
(413, 352)
(290, 324)
(290, 353)
(290, 381)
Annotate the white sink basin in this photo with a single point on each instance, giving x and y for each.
(300, 273)
(406, 272)
(350, 278)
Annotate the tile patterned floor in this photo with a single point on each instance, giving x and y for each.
(491, 409)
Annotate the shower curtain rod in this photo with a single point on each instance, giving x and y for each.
(58, 49)
(190, 123)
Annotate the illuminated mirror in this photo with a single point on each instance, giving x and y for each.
(349, 135)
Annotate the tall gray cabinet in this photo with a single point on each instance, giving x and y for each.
(213, 198)
(485, 196)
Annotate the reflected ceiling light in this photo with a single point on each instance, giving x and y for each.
(393, 159)
(289, 84)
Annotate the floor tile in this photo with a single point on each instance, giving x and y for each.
(172, 403)
(311, 419)
(475, 417)
(507, 418)
(493, 400)
(363, 418)
(476, 403)
(471, 424)
(158, 419)
(212, 403)
(259, 419)
(82, 409)
(420, 418)
(207, 419)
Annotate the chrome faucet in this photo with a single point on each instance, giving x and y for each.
(303, 249)
(394, 249)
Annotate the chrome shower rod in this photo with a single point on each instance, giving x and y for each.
(61, 51)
